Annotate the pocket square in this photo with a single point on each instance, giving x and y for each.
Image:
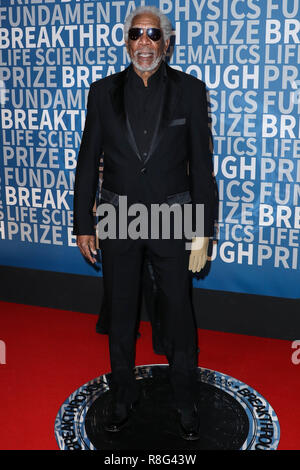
(178, 122)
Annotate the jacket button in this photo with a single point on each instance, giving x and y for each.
(143, 170)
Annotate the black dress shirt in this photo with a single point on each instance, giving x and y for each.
(143, 104)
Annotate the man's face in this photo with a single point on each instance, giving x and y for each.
(146, 55)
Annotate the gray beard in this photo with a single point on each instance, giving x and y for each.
(151, 67)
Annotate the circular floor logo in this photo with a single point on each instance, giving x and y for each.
(233, 415)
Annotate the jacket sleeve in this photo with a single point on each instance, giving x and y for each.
(202, 183)
(87, 170)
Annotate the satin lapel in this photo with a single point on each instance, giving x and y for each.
(118, 102)
(172, 94)
(132, 138)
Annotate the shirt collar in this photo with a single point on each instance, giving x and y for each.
(153, 81)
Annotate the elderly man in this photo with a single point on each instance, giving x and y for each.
(151, 123)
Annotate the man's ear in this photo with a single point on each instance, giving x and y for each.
(127, 47)
(166, 45)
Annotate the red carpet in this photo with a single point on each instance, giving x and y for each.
(50, 353)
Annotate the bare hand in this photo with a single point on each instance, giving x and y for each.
(86, 245)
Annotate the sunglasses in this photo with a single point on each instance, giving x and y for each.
(153, 33)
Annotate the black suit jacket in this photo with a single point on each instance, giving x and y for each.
(180, 141)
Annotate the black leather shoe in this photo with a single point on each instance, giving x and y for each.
(189, 423)
(118, 417)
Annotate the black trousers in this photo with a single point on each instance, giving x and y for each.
(122, 275)
(149, 295)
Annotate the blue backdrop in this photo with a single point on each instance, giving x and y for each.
(247, 53)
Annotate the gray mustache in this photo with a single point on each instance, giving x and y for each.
(143, 51)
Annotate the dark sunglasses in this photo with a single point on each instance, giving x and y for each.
(153, 33)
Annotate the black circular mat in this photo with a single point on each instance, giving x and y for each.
(233, 416)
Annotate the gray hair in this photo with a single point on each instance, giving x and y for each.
(165, 23)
